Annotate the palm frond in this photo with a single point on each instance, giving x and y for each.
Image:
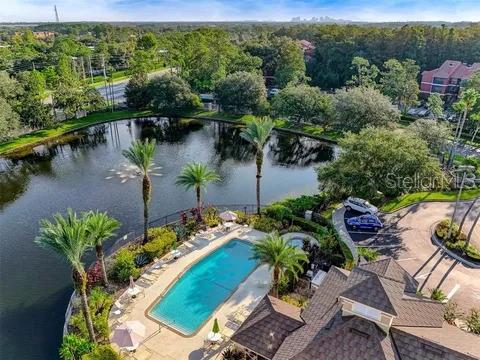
(276, 252)
(99, 227)
(195, 175)
(66, 237)
(257, 132)
(141, 154)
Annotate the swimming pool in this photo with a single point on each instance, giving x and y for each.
(203, 287)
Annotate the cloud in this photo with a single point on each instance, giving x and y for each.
(231, 10)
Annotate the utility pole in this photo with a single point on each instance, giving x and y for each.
(105, 80)
(90, 67)
(83, 68)
(56, 14)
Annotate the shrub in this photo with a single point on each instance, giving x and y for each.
(124, 266)
(451, 312)
(242, 218)
(233, 353)
(368, 254)
(161, 241)
(99, 303)
(74, 346)
(473, 321)
(103, 352)
(210, 217)
(294, 228)
(94, 275)
(295, 300)
(264, 223)
(308, 225)
(437, 294)
(279, 212)
(471, 251)
(442, 231)
(305, 202)
(141, 260)
(180, 231)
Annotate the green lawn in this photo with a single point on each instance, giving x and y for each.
(409, 199)
(39, 136)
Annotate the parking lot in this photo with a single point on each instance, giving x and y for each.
(406, 236)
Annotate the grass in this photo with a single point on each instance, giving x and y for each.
(409, 199)
(36, 137)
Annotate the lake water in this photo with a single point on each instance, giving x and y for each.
(86, 170)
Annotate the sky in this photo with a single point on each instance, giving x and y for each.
(237, 10)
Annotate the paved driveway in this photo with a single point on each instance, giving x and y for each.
(406, 237)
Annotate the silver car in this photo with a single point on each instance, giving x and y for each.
(360, 205)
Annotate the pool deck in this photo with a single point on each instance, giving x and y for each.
(163, 343)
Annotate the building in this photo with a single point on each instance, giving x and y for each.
(371, 312)
(44, 35)
(447, 78)
(308, 49)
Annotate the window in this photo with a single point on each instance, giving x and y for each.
(437, 89)
(366, 311)
(437, 80)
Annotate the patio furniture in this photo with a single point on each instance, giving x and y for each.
(176, 253)
(228, 216)
(129, 335)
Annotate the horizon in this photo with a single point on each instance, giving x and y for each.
(370, 11)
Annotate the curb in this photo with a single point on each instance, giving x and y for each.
(339, 225)
(450, 253)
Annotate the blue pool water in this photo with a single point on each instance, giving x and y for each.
(203, 287)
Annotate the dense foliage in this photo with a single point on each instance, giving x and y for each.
(302, 103)
(379, 160)
(161, 240)
(362, 106)
(242, 93)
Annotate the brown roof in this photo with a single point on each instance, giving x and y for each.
(447, 342)
(389, 268)
(276, 331)
(372, 292)
(267, 326)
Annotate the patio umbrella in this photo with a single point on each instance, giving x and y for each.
(228, 216)
(129, 334)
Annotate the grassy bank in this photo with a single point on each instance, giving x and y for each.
(39, 136)
(409, 199)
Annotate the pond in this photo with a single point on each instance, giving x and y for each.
(86, 170)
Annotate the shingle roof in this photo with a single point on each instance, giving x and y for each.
(350, 338)
(278, 332)
(266, 328)
(431, 343)
(372, 292)
(389, 268)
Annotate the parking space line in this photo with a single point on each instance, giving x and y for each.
(423, 275)
(452, 292)
(406, 259)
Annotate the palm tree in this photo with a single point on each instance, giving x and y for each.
(475, 117)
(257, 133)
(100, 227)
(197, 176)
(283, 258)
(470, 233)
(67, 237)
(141, 155)
(465, 104)
(472, 204)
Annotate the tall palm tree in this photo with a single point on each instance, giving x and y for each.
(465, 104)
(283, 258)
(257, 133)
(141, 155)
(197, 176)
(472, 204)
(470, 233)
(67, 236)
(100, 227)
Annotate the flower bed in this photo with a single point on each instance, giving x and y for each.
(457, 242)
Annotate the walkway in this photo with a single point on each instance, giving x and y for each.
(338, 218)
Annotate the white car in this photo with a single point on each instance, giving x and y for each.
(360, 205)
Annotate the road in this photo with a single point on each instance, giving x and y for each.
(119, 87)
(406, 237)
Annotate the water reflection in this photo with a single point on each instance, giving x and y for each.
(297, 151)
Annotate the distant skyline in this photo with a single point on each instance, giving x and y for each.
(231, 10)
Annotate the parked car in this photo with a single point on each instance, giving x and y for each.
(360, 205)
(366, 222)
